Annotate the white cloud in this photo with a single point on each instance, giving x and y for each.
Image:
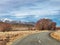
(36, 13)
(4, 14)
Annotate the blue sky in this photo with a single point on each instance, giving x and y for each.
(30, 10)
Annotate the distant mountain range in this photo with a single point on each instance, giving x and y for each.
(15, 22)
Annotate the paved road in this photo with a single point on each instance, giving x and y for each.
(42, 38)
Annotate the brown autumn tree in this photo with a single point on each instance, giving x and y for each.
(5, 26)
(45, 24)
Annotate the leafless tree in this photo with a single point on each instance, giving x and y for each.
(45, 24)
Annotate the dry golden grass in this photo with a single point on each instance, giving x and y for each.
(56, 35)
(14, 35)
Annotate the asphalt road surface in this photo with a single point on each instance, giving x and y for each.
(42, 38)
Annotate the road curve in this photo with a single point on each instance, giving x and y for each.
(41, 38)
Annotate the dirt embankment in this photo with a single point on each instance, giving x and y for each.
(56, 35)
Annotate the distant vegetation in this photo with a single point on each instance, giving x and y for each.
(5, 26)
(42, 24)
